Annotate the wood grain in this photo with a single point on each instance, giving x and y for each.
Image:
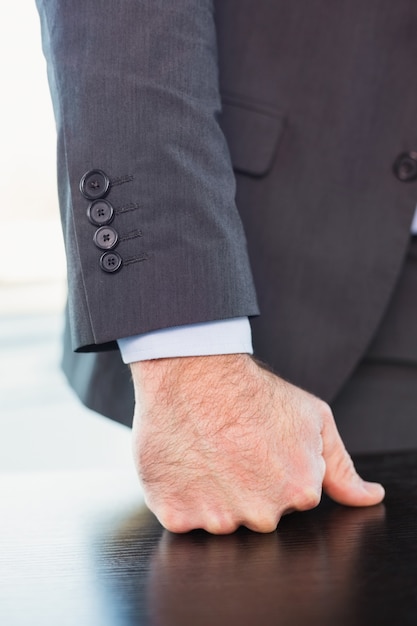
(81, 548)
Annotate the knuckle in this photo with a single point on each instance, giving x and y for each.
(213, 524)
(174, 522)
(265, 524)
(220, 526)
(324, 410)
(307, 498)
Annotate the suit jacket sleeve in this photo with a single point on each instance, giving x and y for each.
(135, 92)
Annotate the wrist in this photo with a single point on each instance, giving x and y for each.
(159, 377)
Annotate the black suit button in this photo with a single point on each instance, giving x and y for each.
(100, 212)
(110, 262)
(106, 238)
(94, 184)
(405, 167)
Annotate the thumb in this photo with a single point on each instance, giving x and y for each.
(341, 481)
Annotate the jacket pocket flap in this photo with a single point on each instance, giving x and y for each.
(253, 133)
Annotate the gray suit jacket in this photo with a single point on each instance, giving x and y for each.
(305, 112)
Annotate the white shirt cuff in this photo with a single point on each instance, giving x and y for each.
(230, 336)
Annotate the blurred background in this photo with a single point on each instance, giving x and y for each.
(42, 424)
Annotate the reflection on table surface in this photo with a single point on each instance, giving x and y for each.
(81, 548)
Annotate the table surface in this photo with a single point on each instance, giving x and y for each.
(81, 549)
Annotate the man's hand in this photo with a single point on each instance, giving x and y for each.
(220, 442)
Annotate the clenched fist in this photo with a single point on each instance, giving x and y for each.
(220, 442)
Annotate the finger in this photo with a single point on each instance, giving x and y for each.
(262, 524)
(341, 480)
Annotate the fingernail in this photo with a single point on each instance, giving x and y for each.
(374, 489)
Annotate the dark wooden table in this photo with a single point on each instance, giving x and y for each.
(81, 549)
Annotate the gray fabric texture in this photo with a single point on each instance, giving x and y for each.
(135, 93)
(377, 409)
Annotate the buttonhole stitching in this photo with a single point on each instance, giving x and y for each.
(132, 206)
(121, 180)
(132, 235)
(136, 259)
